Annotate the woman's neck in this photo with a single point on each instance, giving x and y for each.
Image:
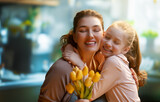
(88, 58)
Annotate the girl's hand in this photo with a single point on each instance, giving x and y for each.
(135, 77)
(71, 55)
(82, 100)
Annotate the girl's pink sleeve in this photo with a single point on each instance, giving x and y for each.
(109, 75)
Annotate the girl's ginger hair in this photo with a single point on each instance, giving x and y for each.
(134, 54)
(68, 38)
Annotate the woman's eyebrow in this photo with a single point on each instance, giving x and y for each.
(96, 26)
(82, 26)
(86, 26)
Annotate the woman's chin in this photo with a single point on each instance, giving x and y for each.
(91, 49)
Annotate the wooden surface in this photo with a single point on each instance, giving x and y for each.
(33, 2)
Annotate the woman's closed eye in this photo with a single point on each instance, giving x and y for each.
(96, 29)
(82, 30)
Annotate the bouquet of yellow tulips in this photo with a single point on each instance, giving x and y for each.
(80, 85)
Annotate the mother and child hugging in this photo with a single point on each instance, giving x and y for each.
(114, 53)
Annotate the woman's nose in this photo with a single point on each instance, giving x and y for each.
(90, 34)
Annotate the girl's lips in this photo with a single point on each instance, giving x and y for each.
(106, 49)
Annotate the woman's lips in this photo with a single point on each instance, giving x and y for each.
(90, 43)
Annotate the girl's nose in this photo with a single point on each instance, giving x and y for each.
(108, 43)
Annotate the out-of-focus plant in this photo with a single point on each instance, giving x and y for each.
(82, 84)
(28, 24)
(149, 34)
(131, 22)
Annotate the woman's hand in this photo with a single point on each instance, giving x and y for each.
(82, 100)
(135, 77)
(72, 56)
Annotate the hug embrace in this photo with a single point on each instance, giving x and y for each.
(115, 53)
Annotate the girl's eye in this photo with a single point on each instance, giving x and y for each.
(107, 37)
(117, 42)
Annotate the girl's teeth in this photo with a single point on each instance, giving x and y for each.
(106, 49)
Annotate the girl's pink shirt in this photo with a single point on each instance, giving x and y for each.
(116, 81)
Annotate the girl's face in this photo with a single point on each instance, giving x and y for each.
(114, 42)
(88, 34)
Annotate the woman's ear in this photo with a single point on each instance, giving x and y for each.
(74, 37)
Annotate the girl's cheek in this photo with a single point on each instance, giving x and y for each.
(102, 42)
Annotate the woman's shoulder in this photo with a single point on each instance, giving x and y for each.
(61, 65)
(61, 62)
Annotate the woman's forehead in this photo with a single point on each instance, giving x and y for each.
(89, 21)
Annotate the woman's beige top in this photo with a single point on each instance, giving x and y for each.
(53, 88)
(116, 81)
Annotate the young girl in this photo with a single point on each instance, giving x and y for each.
(120, 47)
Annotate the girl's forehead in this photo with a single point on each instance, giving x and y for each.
(116, 32)
(113, 30)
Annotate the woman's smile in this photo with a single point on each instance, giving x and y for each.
(90, 43)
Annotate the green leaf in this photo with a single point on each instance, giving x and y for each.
(87, 92)
(149, 34)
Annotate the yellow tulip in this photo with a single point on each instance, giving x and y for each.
(88, 82)
(69, 88)
(85, 70)
(91, 73)
(96, 77)
(79, 75)
(73, 76)
(75, 69)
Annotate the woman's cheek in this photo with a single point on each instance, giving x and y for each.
(100, 38)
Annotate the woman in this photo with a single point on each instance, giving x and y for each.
(86, 37)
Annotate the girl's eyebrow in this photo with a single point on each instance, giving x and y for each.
(118, 39)
(106, 33)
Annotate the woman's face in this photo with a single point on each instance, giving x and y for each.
(88, 34)
(114, 42)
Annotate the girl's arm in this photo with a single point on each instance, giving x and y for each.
(72, 56)
(135, 77)
(110, 75)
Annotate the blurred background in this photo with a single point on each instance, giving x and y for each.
(29, 40)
